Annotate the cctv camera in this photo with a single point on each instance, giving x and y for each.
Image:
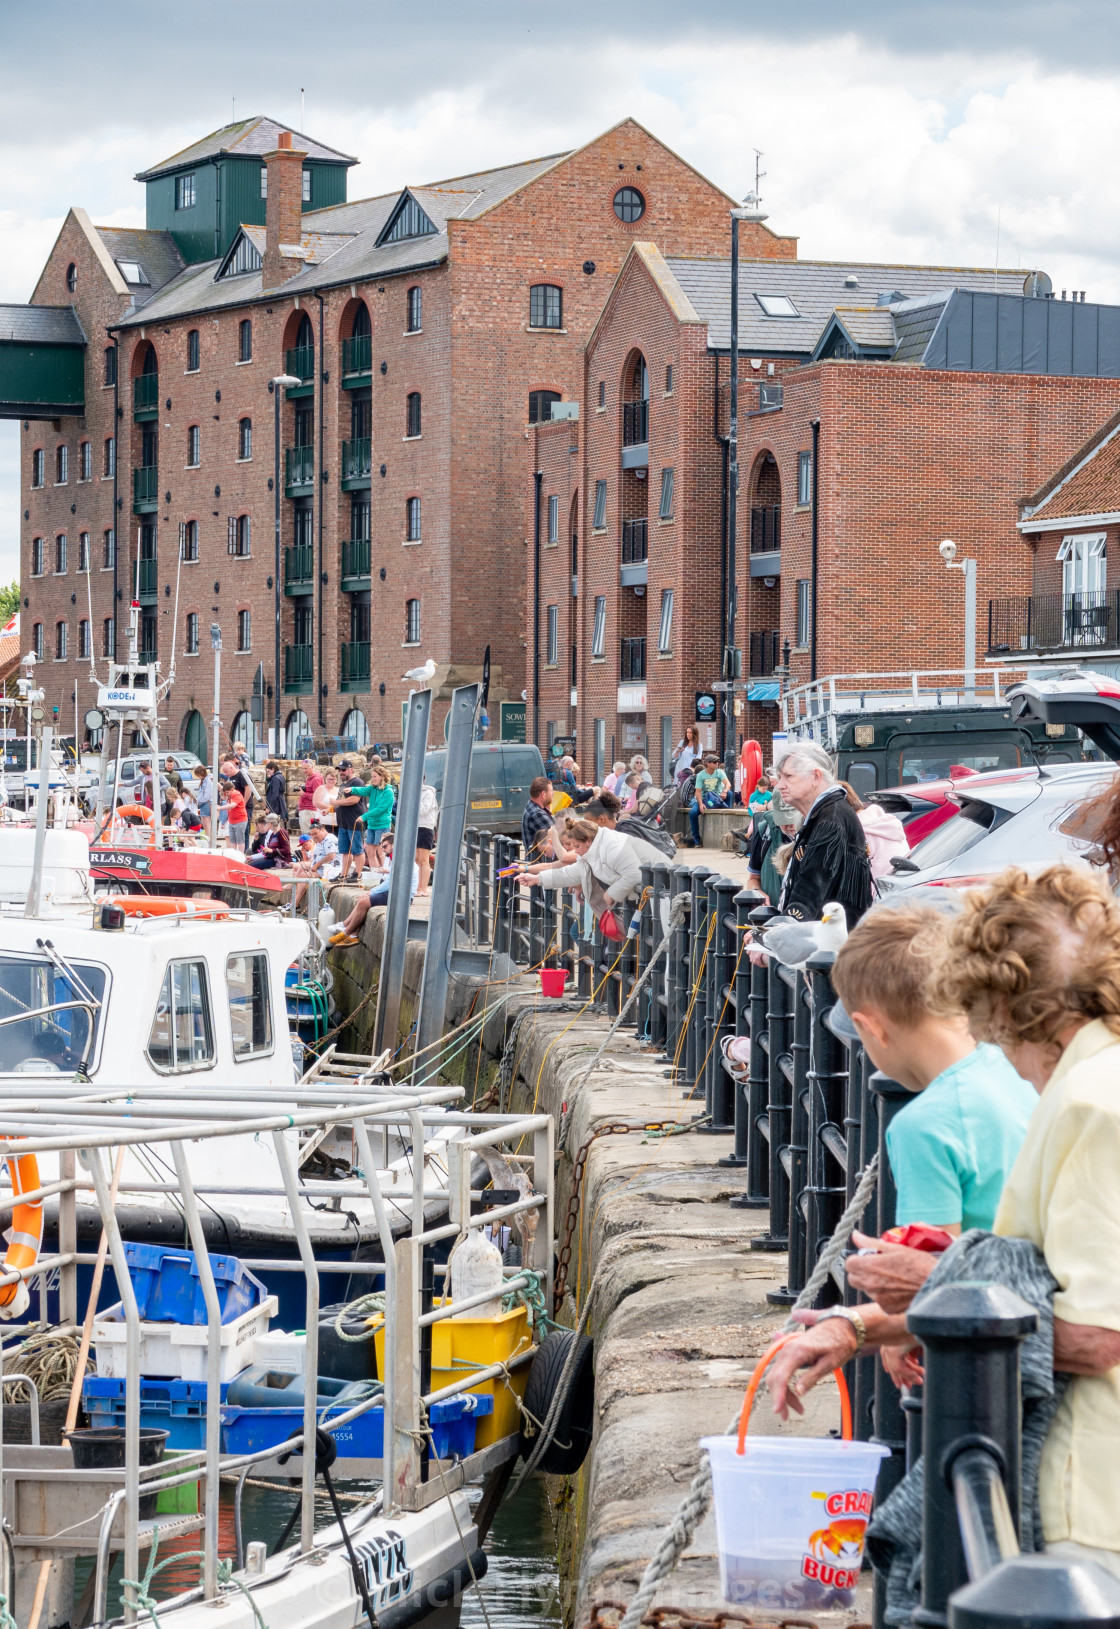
(947, 549)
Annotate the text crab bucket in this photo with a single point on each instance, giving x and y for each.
(791, 1515)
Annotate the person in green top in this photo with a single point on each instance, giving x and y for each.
(378, 817)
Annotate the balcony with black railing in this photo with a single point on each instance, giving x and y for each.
(635, 424)
(299, 471)
(355, 665)
(145, 397)
(145, 489)
(298, 669)
(300, 364)
(145, 578)
(1054, 622)
(356, 571)
(765, 654)
(299, 569)
(766, 528)
(357, 360)
(356, 465)
(633, 660)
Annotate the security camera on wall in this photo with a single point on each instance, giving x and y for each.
(947, 549)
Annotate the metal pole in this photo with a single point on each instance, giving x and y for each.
(969, 568)
(400, 878)
(732, 473)
(538, 478)
(216, 641)
(34, 906)
(814, 541)
(213, 1370)
(311, 1346)
(276, 555)
(452, 820)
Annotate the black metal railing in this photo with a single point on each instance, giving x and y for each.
(1040, 622)
(357, 354)
(635, 541)
(300, 362)
(806, 1113)
(765, 654)
(145, 484)
(147, 585)
(355, 665)
(766, 528)
(145, 394)
(633, 659)
(356, 458)
(635, 424)
(356, 561)
(298, 668)
(299, 467)
(299, 568)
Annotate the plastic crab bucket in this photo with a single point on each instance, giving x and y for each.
(791, 1512)
(552, 980)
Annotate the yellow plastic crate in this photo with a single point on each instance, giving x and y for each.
(460, 1344)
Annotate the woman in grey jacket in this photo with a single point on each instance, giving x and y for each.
(607, 868)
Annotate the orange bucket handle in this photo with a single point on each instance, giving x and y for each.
(756, 1378)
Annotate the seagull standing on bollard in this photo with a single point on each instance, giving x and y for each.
(419, 675)
(793, 943)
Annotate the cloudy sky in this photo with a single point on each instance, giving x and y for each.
(926, 130)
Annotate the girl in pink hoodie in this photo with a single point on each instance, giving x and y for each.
(886, 836)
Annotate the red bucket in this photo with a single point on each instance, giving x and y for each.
(552, 980)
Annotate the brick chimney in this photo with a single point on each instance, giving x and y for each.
(284, 210)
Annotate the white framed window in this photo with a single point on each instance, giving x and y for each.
(85, 461)
(250, 1009)
(62, 465)
(61, 638)
(108, 637)
(244, 630)
(665, 630)
(415, 309)
(60, 554)
(188, 540)
(244, 439)
(192, 633)
(412, 622)
(109, 466)
(804, 610)
(307, 186)
(264, 181)
(37, 464)
(182, 1033)
(411, 518)
(552, 642)
(194, 446)
(599, 626)
(554, 519)
(109, 549)
(184, 192)
(777, 305)
(599, 515)
(546, 306)
(83, 640)
(665, 509)
(37, 641)
(38, 548)
(804, 479)
(1083, 563)
(193, 354)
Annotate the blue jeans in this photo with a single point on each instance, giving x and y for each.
(694, 814)
(379, 896)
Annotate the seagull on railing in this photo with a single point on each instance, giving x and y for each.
(792, 942)
(420, 675)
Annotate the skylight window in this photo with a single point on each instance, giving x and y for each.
(133, 272)
(777, 305)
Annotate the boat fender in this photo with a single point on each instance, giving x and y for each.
(476, 1269)
(24, 1237)
(575, 1422)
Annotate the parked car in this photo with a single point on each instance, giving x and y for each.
(1030, 819)
(185, 763)
(925, 806)
(499, 787)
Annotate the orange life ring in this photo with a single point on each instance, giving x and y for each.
(204, 910)
(130, 811)
(26, 1235)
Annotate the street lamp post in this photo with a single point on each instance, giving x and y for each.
(283, 381)
(948, 552)
(216, 644)
(729, 664)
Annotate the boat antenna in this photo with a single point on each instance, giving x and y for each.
(163, 689)
(92, 658)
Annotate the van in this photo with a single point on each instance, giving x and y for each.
(501, 772)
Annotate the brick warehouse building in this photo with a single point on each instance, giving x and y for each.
(427, 330)
(937, 404)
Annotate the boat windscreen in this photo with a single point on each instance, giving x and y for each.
(46, 1025)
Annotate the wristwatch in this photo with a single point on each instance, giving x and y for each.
(850, 1315)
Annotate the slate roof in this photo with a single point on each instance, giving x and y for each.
(356, 227)
(41, 325)
(155, 251)
(816, 288)
(247, 138)
(1087, 484)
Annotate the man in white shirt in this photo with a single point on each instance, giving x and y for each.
(348, 931)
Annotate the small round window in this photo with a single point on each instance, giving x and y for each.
(629, 205)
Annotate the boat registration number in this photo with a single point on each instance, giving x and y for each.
(487, 803)
(125, 858)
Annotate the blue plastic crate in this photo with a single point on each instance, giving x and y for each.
(453, 1421)
(175, 1406)
(166, 1284)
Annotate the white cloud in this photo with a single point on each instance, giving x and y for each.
(869, 154)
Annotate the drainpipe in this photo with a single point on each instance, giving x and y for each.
(116, 496)
(724, 450)
(538, 480)
(319, 507)
(814, 532)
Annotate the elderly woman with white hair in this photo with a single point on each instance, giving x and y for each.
(829, 860)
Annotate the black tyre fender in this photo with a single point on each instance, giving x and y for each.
(575, 1421)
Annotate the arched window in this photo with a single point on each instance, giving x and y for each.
(190, 540)
(412, 415)
(300, 360)
(62, 464)
(60, 634)
(239, 535)
(37, 640)
(192, 351)
(151, 362)
(546, 306)
(71, 277)
(110, 365)
(629, 205)
(412, 520)
(540, 405)
(244, 630)
(83, 640)
(766, 506)
(361, 323)
(194, 735)
(297, 735)
(415, 309)
(243, 730)
(108, 637)
(355, 731)
(194, 446)
(245, 340)
(245, 439)
(37, 549)
(635, 411)
(412, 622)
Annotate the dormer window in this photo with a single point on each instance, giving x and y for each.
(134, 273)
(777, 305)
(243, 257)
(184, 192)
(408, 220)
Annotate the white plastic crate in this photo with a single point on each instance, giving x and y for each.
(179, 1350)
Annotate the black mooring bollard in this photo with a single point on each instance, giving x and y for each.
(1038, 1592)
(971, 1334)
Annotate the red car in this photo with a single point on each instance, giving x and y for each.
(929, 804)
